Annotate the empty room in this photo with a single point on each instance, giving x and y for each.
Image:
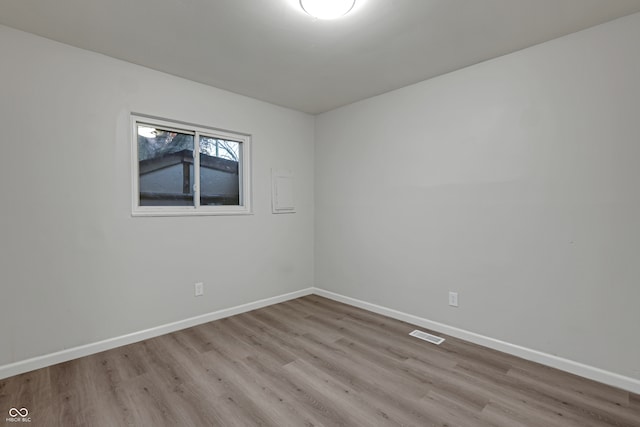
(320, 213)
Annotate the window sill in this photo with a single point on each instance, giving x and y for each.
(190, 212)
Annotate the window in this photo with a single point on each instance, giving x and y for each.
(183, 169)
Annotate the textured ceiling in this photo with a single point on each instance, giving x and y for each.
(271, 50)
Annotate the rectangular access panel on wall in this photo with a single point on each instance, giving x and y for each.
(282, 197)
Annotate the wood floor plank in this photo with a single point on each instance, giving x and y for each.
(309, 401)
(604, 409)
(331, 359)
(351, 408)
(502, 415)
(521, 397)
(395, 389)
(449, 412)
(577, 385)
(31, 390)
(311, 362)
(634, 400)
(262, 403)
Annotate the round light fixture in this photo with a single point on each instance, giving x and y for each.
(327, 9)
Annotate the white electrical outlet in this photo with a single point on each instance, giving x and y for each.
(453, 299)
(199, 289)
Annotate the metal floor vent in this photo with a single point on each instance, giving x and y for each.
(427, 337)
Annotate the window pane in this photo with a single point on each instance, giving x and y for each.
(165, 165)
(219, 171)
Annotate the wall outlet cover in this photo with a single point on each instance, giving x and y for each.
(453, 299)
(199, 289)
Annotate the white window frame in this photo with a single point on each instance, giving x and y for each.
(244, 172)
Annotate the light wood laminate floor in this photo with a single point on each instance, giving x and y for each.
(310, 362)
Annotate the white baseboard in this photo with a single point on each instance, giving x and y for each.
(88, 349)
(586, 371)
(596, 374)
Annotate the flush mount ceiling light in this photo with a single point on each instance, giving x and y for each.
(327, 9)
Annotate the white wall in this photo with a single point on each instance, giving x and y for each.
(75, 267)
(514, 182)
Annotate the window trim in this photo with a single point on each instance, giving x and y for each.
(244, 166)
